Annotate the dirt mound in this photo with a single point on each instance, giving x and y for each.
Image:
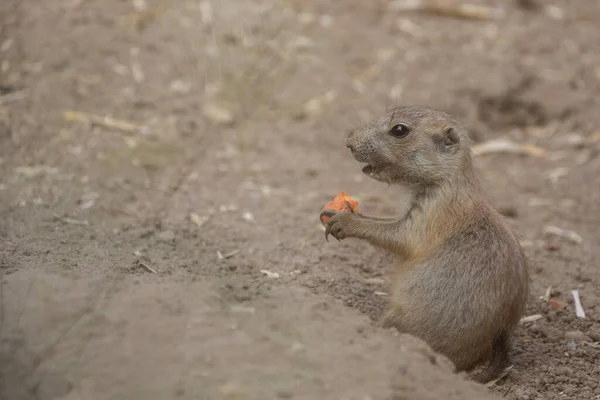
(163, 164)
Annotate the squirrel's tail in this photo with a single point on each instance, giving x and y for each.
(500, 363)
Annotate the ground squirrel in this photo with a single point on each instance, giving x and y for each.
(462, 280)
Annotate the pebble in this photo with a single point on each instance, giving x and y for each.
(509, 211)
(326, 21)
(535, 328)
(218, 114)
(594, 333)
(577, 336)
(306, 18)
(285, 394)
(564, 371)
(179, 86)
(167, 236)
(521, 394)
(555, 305)
(551, 332)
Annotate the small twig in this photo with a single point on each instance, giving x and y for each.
(231, 254)
(106, 122)
(147, 267)
(225, 256)
(463, 11)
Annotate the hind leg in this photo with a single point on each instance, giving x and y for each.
(394, 318)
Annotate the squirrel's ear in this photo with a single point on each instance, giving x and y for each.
(451, 137)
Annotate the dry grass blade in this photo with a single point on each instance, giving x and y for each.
(218, 115)
(530, 318)
(372, 281)
(578, 308)
(315, 105)
(231, 254)
(546, 297)
(507, 147)
(105, 122)
(225, 256)
(564, 233)
(147, 267)
(199, 220)
(443, 8)
(32, 171)
(269, 274)
(242, 309)
(71, 221)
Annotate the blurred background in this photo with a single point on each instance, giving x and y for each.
(163, 164)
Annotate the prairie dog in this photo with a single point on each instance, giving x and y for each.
(462, 280)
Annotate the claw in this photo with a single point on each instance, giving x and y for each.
(328, 232)
(327, 213)
(330, 214)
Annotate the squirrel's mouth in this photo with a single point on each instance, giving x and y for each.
(370, 170)
(376, 172)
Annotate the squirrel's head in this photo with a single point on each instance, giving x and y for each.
(412, 145)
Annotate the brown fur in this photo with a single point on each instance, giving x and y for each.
(462, 281)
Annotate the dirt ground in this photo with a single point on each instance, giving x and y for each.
(180, 255)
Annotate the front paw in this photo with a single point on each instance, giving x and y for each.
(339, 226)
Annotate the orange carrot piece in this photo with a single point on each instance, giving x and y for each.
(340, 203)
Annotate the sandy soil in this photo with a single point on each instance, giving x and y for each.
(182, 256)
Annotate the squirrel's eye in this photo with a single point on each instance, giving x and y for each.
(399, 130)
